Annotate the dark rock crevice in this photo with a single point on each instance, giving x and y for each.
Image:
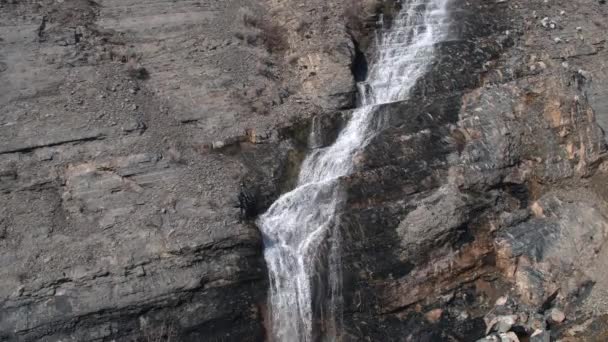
(359, 65)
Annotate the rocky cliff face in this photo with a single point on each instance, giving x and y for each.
(128, 129)
(479, 209)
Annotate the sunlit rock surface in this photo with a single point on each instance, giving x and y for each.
(129, 128)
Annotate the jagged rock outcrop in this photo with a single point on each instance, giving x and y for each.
(486, 184)
(129, 128)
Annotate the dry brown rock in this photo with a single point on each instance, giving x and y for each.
(433, 316)
(555, 316)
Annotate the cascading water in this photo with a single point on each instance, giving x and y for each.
(301, 246)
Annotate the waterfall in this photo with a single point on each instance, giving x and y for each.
(301, 246)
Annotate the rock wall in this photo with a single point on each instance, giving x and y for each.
(118, 222)
(128, 129)
(139, 139)
(480, 202)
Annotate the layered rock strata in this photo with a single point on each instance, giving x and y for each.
(129, 128)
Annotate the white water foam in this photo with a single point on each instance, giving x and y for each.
(299, 238)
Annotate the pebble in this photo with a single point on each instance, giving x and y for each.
(501, 301)
(434, 316)
(544, 21)
(556, 316)
(509, 337)
(463, 316)
(505, 323)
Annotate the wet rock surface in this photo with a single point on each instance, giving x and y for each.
(129, 130)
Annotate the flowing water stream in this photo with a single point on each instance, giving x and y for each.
(301, 246)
